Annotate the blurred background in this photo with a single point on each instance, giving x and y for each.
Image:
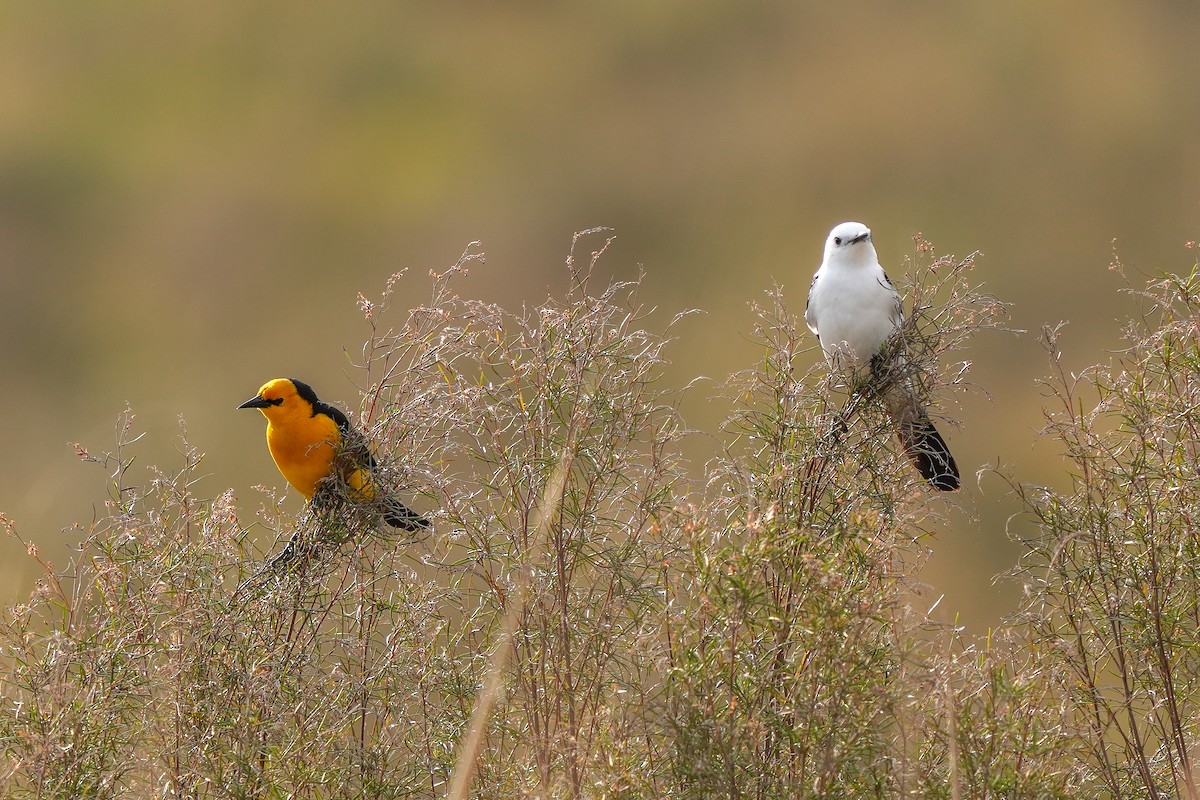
(192, 196)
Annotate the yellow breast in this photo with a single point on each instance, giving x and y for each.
(303, 450)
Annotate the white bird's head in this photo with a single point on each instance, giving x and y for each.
(850, 243)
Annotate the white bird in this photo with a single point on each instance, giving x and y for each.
(853, 308)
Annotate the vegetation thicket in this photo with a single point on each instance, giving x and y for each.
(594, 616)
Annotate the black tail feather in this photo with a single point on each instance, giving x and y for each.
(401, 516)
(929, 453)
(395, 513)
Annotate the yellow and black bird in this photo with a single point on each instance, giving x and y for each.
(307, 437)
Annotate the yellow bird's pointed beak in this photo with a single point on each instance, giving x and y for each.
(258, 401)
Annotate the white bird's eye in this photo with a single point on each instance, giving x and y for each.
(837, 240)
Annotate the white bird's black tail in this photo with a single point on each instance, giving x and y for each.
(921, 441)
(928, 452)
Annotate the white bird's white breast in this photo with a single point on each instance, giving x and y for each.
(853, 310)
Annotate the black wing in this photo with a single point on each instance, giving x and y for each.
(352, 441)
(335, 413)
(396, 514)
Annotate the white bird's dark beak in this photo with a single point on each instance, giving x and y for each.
(861, 237)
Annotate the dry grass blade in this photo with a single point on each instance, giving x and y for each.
(493, 685)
